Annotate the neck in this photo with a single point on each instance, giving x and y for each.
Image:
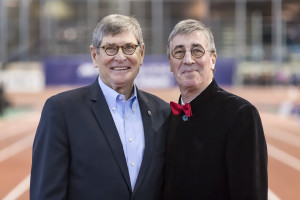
(190, 93)
(126, 91)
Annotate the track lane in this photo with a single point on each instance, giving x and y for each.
(284, 181)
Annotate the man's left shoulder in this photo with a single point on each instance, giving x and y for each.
(152, 99)
(233, 99)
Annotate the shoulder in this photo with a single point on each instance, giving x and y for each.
(70, 99)
(152, 99)
(230, 99)
(154, 103)
(234, 105)
(73, 94)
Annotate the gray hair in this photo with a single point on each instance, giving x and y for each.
(186, 27)
(115, 24)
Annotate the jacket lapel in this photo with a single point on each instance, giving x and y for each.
(149, 140)
(101, 111)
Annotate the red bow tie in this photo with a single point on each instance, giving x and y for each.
(177, 108)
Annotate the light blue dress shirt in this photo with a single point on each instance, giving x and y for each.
(128, 120)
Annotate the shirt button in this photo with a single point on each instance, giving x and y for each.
(130, 139)
(113, 108)
(126, 116)
(132, 164)
(120, 97)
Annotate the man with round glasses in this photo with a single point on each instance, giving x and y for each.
(106, 140)
(112, 49)
(216, 146)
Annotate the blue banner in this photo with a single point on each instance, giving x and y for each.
(154, 73)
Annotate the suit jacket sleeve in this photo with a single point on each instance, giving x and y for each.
(50, 158)
(247, 156)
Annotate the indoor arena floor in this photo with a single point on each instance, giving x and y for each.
(282, 131)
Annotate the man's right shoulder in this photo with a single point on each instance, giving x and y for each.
(69, 95)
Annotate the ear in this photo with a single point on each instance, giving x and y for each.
(93, 55)
(142, 54)
(169, 57)
(170, 65)
(171, 70)
(213, 60)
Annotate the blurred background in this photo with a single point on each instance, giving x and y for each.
(44, 49)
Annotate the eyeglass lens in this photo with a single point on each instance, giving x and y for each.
(197, 52)
(113, 49)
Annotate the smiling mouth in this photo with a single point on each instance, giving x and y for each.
(120, 68)
(189, 71)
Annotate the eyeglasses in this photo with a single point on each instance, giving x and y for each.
(112, 49)
(196, 51)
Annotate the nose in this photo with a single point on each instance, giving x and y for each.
(120, 56)
(188, 58)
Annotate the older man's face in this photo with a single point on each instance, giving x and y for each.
(120, 70)
(191, 72)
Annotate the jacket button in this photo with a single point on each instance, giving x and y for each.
(185, 118)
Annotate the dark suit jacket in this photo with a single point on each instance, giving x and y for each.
(78, 155)
(220, 153)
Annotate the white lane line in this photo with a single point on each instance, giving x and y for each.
(272, 195)
(283, 136)
(14, 131)
(284, 157)
(16, 147)
(18, 190)
(20, 118)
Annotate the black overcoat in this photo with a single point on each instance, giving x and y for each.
(219, 153)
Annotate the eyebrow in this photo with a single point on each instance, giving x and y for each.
(107, 43)
(193, 45)
(178, 46)
(197, 45)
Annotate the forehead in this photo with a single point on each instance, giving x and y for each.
(121, 38)
(188, 40)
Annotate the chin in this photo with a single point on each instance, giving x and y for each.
(190, 84)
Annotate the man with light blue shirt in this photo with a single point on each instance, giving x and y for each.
(128, 121)
(107, 140)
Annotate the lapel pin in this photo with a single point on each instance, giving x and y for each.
(149, 113)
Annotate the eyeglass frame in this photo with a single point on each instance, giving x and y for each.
(104, 47)
(212, 51)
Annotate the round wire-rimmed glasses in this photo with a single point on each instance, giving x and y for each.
(196, 52)
(112, 49)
